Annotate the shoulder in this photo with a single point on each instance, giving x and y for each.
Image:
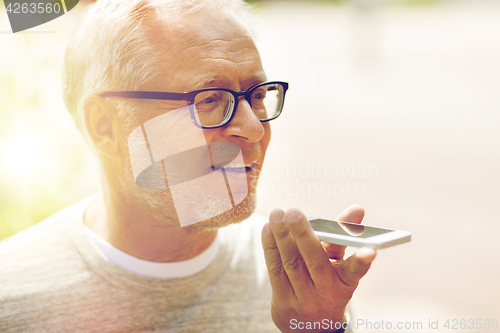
(37, 253)
(46, 232)
(38, 265)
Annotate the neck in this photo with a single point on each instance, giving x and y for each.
(136, 234)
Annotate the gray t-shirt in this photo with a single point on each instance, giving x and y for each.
(52, 279)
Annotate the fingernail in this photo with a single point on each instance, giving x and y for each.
(293, 216)
(277, 216)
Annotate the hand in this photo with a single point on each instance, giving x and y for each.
(310, 280)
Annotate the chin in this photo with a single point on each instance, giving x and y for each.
(237, 214)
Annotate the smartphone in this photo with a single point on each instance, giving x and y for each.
(352, 234)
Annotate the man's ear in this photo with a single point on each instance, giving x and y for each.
(99, 119)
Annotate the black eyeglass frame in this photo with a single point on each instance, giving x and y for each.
(190, 96)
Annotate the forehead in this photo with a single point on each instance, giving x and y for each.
(204, 49)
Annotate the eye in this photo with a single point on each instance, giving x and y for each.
(259, 94)
(211, 99)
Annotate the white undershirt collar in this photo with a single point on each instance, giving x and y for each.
(157, 270)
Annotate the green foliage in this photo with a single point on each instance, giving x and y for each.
(44, 163)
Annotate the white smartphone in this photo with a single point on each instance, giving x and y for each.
(358, 235)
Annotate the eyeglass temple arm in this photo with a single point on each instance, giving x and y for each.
(145, 95)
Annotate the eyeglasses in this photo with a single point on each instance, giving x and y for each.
(215, 107)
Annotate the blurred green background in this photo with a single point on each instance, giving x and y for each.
(44, 163)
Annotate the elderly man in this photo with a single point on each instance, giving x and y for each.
(173, 97)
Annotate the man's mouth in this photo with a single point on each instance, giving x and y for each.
(236, 167)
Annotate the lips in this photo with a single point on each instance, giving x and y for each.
(225, 156)
(239, 165)
(236, 167)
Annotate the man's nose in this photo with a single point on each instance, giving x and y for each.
(245, 123)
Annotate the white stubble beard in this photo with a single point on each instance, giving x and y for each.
(158, 206)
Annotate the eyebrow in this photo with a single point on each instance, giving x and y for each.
(256, 79)
(222, 82)
(211, 82)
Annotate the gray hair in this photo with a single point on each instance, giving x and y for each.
(110, 51)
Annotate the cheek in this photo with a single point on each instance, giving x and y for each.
(123, 160)
(266, 139)
(211, 135)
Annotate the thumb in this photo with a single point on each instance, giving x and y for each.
(356, 266)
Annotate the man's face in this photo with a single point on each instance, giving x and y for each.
(204, 50)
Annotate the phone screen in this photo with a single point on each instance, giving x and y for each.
(346, 228)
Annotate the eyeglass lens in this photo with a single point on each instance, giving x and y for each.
(214, 107)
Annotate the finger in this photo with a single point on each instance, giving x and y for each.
(333, 251)
(320, 268)
(292, 260)
(277, 275)
(354, 214)
(356, 266)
